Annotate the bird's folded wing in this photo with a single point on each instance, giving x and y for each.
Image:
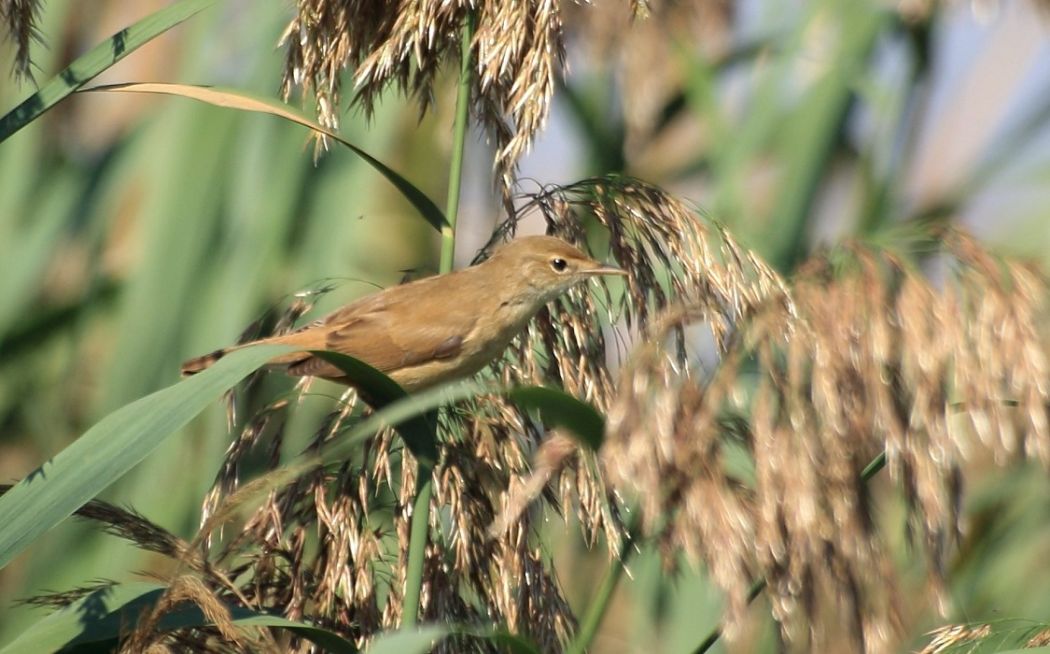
(384, 338)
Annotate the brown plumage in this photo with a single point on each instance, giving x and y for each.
(440, 328)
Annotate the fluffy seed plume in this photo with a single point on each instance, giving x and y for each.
(19, 19)
(517, 54)
(638, 51)
(956, 637)
(864, 356)
(668, 253)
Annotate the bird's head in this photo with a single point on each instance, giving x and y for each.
(540, 268)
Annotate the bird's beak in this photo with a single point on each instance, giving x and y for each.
(602, 269)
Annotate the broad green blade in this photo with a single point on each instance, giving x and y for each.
(395, 414)
(185, 166)
(559, 409)
(511, 643)
(97, 621)
(97, 60)
(423, 639)
(416, 404)
(808, 136)
(26, 254)
(418, 431)
(415, 641)
(105, 452)
(236, 99)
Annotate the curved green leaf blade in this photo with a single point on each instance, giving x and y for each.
(423, 639)
(419, 431)
(113, 446)
(391, 415)
(380, 390)
(559, 409)
(98, 59)
(417, 404)
(408, 641)
(511, 643)
(236, 99)
(99, 619)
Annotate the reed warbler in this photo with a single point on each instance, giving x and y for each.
(440, 328)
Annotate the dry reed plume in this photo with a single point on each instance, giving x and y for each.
(517, 52)
(867, 357)
(638, 52)
(19, 19)
(998, 635)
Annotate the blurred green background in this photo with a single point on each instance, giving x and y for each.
(138, 231)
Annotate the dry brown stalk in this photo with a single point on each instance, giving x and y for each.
(62, 599)
(668, 253)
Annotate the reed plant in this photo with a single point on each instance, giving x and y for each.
(749, 412)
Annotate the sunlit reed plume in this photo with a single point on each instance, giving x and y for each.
(636, 53)
(18, 19)
(867, 357)
(956, 637)
(517, 53)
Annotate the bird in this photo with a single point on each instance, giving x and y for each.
(439, 328)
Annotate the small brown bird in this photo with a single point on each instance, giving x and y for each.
(439, 328)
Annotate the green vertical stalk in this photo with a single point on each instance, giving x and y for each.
(459, 140)
(809, 140)
(603, 596)
(417, 543)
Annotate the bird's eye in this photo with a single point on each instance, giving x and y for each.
(559, 265)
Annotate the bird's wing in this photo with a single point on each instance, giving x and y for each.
(400, 328)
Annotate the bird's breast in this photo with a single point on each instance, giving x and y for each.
(485, 342)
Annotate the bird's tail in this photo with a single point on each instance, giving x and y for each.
(202, 363)
(295, 339)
